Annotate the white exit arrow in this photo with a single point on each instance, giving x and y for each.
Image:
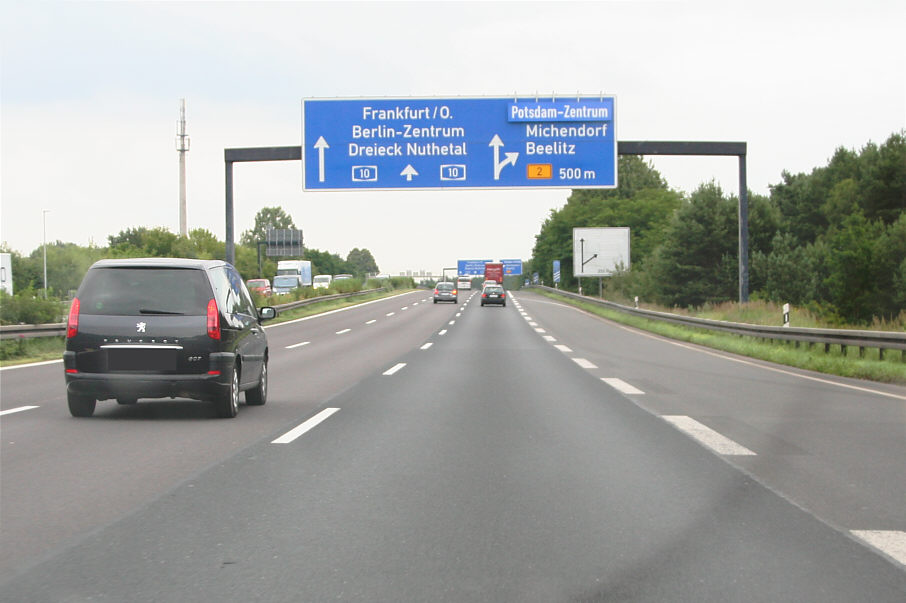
(499, 165)
(321, 144)
(409, 172)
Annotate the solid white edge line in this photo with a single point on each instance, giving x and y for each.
(717, 442)
(297, 345)
(426, 346)
(620, 385)
(889, 542)
(724, 355)
(394, 369)
(586, 364)
(19, 366)
(14, 410)
(295, 432)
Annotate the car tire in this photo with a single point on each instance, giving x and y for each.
(258, 395)
(227, 405)
(435, 301)
(79, 405)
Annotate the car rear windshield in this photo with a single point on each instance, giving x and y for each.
(140, 291)
(286, 281)
(445, 286)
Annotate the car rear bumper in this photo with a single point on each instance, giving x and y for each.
(197, 386)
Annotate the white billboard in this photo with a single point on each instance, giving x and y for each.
(600, 251)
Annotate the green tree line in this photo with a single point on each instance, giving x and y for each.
(833, 239)
(68, 262)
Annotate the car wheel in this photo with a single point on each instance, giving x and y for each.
(258, 395)
(80, 406)
(227, 405)
(435, 301)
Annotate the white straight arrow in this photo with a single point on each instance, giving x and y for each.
(321, 144)
(409, 172)
(499, 165)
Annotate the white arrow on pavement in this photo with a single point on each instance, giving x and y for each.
(321, 144)
(409, 172)
(499, 165)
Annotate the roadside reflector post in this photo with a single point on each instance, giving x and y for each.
(786, 315)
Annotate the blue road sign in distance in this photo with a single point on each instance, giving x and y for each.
(511, 267)
(468, 143)
(471, 267)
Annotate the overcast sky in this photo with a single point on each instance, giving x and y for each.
(90, 95)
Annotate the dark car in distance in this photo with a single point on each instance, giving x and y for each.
(493, 294)
(445, 291)
(165, 327)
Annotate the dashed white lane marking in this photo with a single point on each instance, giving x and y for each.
(19, 409)
(395, 368)
(533, 324)
(406, 308)
(707, 436)
(458, 314)
(390, 313)
(372, 321)
(297, 345)
(890, 542)
(442, 332)
(563, 348)
(585, 363)
(550, 338)
(540, 330)
(294, 433)
(452, 322)
(620, 385)
(427, 345)
(343, 331)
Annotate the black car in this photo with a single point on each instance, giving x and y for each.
(165, 327)
(493, 294)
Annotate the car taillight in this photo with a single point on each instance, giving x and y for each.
(72, 323)
(454, 291)
(484, 294)
(502, 295)
(213, 320)
(435, 292)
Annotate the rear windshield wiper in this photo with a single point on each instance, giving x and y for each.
(150, 311)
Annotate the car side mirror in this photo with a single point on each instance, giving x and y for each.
(267, 313)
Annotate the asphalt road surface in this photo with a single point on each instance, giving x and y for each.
(419, 452)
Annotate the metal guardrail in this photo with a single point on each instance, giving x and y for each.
(59, 328)
(883, 340)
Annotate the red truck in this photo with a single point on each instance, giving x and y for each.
(493, 272)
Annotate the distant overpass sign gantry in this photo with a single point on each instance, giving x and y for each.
(465, 143)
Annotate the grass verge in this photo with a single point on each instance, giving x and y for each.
(892, 369)
(15, 351)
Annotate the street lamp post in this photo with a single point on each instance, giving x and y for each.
(44, 216)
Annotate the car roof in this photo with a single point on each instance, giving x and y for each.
(159, 263)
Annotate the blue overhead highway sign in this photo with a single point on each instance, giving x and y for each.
(468, 143)
(471, 267)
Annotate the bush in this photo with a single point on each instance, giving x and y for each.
(27, 307)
